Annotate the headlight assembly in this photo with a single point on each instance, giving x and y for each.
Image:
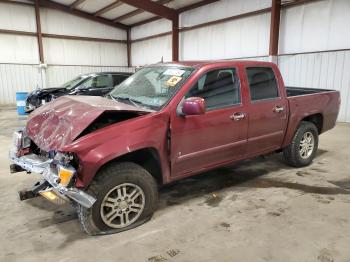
(20, 140)
(63, 158)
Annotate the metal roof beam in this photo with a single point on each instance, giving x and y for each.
(195, 5)
(138, 11)
(181, 10)
(153, 8)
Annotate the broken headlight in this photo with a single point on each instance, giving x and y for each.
(63, 158)
(64, 169)
(20, 140)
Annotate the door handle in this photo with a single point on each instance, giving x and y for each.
(278, 109)
(237, 116)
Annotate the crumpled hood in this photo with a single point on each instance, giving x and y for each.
(59, 122)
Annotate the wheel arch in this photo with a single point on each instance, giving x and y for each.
(294, 123)
(147, 157)
(316, 119)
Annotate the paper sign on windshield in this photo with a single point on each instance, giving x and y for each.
(173, 80)
(174, 72)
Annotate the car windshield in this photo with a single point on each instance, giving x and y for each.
(151, 87)
(72, 83)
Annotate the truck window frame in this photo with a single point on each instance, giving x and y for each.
(236, 74)
(100, 75)
(279, 97)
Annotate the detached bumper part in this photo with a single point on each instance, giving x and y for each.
(41, 165)
(15, 168)
(34, 191)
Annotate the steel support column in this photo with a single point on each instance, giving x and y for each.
(175, 39)
(128, 45)
(38, 32)
(274, 27)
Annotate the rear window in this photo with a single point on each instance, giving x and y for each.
(262, 83)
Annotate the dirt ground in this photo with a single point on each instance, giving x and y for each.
(257, 210)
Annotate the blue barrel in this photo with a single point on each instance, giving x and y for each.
(21, 102)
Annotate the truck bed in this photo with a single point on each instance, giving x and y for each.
(308, 101)
(300, 91)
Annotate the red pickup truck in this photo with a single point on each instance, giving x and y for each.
(166, 122)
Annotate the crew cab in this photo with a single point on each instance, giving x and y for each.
(93, 84)
(166, 122)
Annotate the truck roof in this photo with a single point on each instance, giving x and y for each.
(199, 64)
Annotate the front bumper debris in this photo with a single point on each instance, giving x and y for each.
(41, 165)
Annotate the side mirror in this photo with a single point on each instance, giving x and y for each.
(193, 106)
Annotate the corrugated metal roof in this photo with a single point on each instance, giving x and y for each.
(121, 9)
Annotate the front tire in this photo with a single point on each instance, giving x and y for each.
(304, 145)
(126, 196)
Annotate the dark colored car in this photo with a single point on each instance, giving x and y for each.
(93, 84)
(166, 122)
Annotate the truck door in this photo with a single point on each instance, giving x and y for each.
(218, 136)
(267, 111)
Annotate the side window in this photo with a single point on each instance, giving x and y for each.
(117, 79)
(262, 83)
(100, 81)
(219, 88)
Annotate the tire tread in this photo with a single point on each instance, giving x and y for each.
(123, 170)
(291, 152)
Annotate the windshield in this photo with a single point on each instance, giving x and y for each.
(151, 87)
(72, 83)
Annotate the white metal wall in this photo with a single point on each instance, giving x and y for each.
(322, 25)
(330, 70)
(314, 27)
(17, 77)
(56, 22)
(144, 53)
(76, 52)
(241, 38)
(245, 37)
(152, 50)
(19, 56)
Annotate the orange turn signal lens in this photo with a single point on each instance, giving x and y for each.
(65, 175)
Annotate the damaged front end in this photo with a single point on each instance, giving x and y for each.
(56, 168)
(41, 146)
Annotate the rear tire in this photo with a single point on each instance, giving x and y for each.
(126, 196)
(304, 145)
